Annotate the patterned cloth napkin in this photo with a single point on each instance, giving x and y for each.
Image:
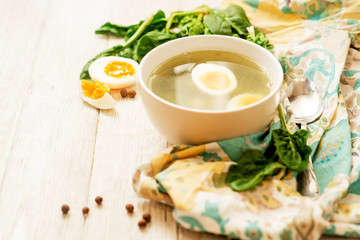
(317, 39)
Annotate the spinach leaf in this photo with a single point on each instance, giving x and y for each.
(149, 41)
(139, 31)
(127, 52)
(159, 21)
(292, 149)
(131, 31)
(285, 150)
(190, 25)
(258, 37)
(236, 17)
(142, 37)
(232, 21)
(175, 17)
(239, 182)
(116, 30)
(252, 161)
(197, 28)
(250, 170)
(217, 24)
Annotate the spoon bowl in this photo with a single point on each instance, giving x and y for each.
(306, 100)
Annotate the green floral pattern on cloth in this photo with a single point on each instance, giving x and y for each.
(192, 178)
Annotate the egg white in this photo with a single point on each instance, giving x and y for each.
(97, 72)
(203, 68)
(105, 102)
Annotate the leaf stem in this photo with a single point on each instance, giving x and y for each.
(282, 117)
(170, 20)
(138, 32)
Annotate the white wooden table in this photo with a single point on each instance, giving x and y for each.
(54, 148)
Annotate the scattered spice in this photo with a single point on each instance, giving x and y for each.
(147, 217)
(123, 93)
(142, 223)
(132, 93)
(85, 210)
(98, 200)
(129, 208)
(65, 208)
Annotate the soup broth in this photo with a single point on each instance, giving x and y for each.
(174, 81)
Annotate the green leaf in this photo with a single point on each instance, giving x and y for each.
(260, 39)
(238, 180)
(126, 52)
(177, 16)
(237, 18)
(113, 29)
(285, 150)
(159, 16)
(190, 25)
(130, 32)
(252, 161)
(245, 174)
(217, 24)
(142, 37)
(149, 41)
(292, 148)
(158, 22)
(139, 32)
(196, 29)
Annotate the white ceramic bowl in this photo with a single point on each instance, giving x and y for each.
(182, 125)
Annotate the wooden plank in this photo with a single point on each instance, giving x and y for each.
(47, 133)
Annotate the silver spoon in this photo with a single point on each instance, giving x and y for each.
(307, 104)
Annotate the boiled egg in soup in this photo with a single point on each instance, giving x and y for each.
(213, 79)
(242, 100)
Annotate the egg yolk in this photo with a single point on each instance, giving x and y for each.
(248, 100)
(119, 69)
(215, 80)
(94, 90)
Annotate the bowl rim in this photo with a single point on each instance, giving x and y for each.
(273, 92)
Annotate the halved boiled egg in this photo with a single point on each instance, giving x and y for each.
(116, 72)
(213, 79)
(97, 94)
(242, 100)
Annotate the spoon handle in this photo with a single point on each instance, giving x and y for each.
(310, 187)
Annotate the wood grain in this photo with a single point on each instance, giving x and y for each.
(54, 148)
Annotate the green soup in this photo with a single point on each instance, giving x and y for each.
(176, 81)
